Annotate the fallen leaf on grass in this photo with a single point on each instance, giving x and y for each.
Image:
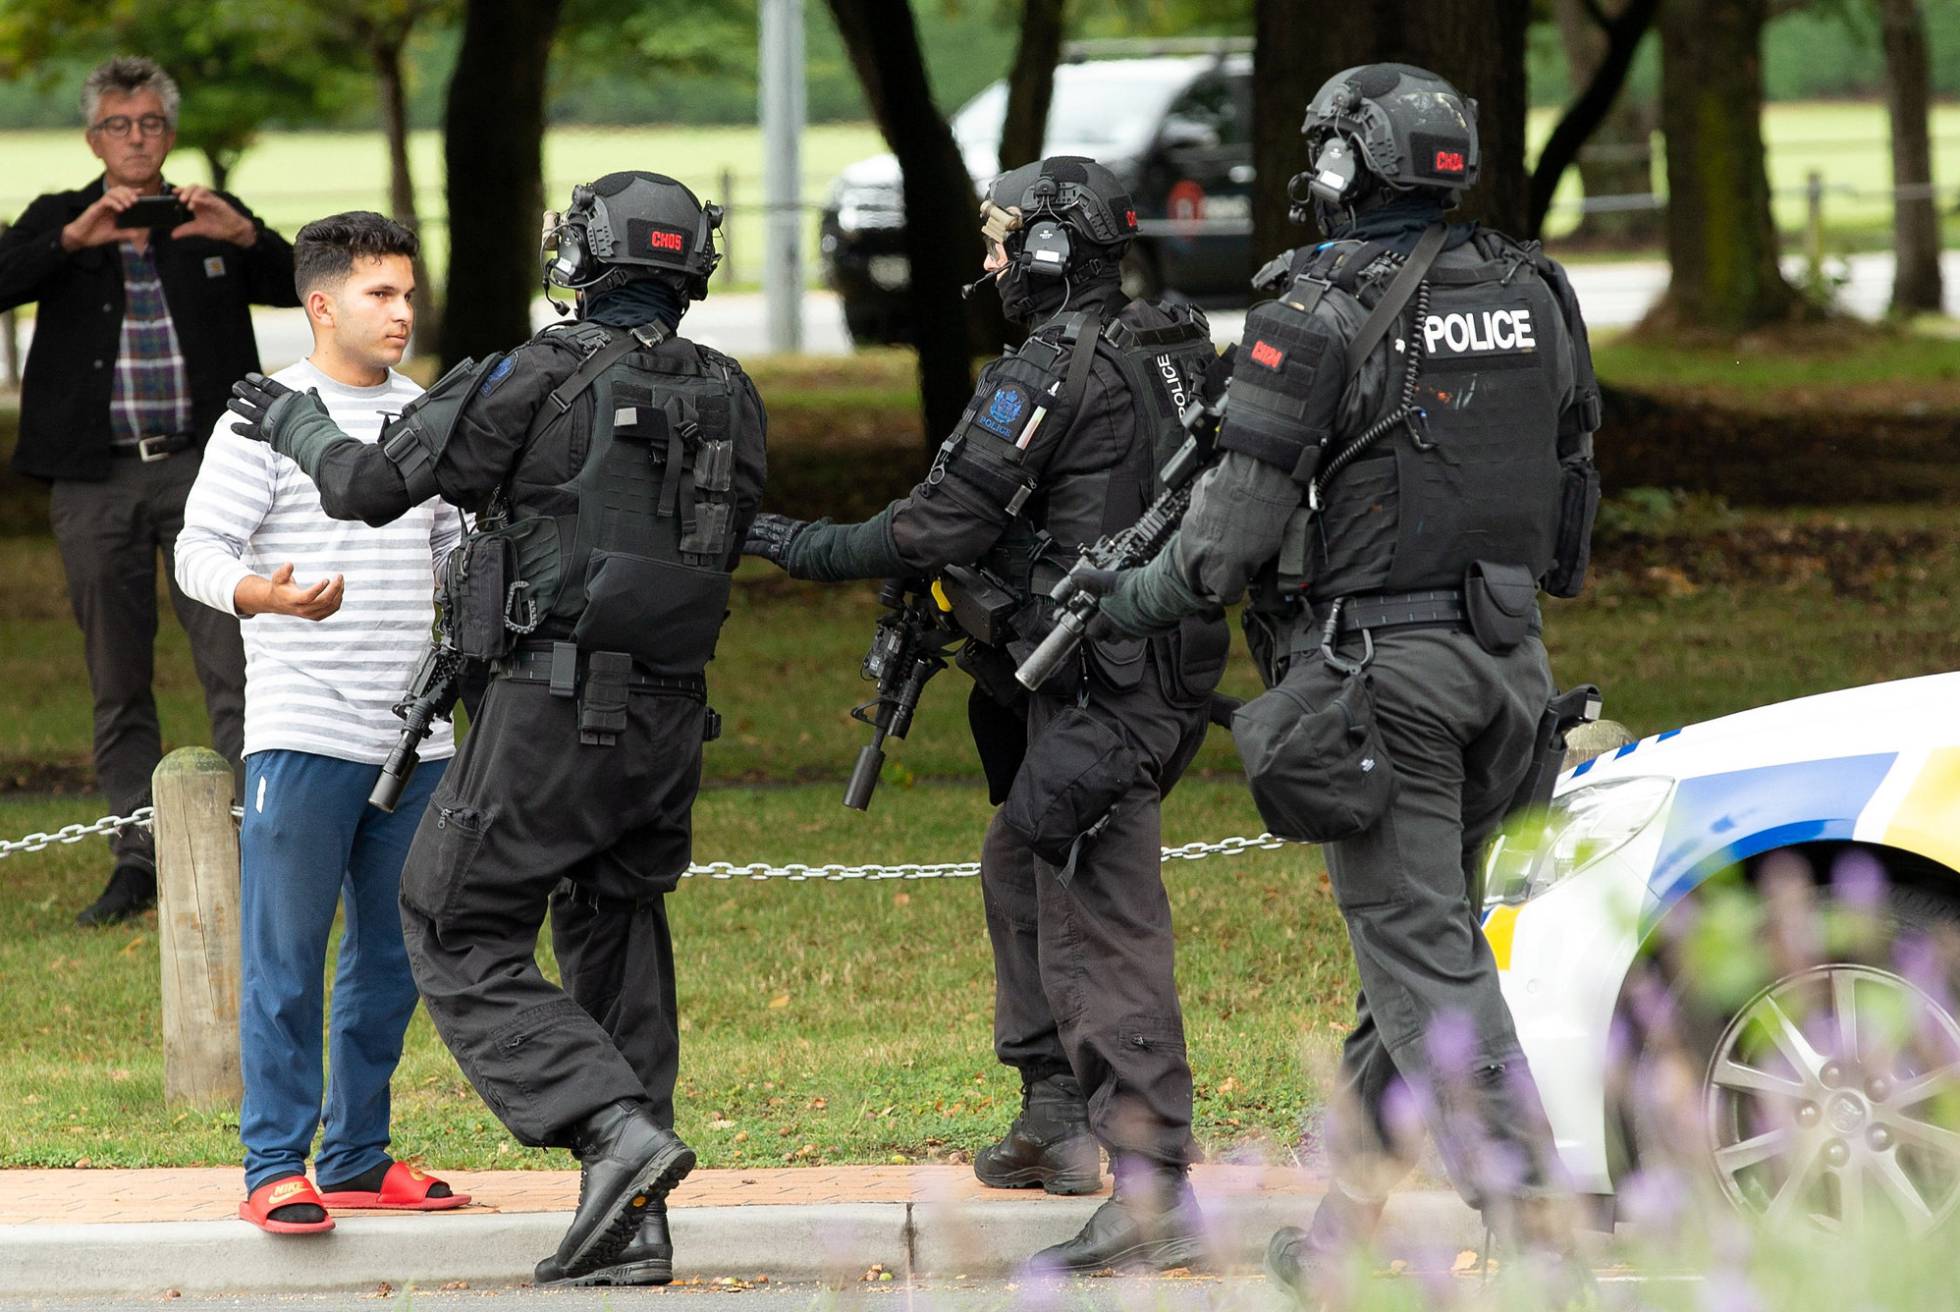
(778, 1002)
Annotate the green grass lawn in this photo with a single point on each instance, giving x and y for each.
(849, 1022)
(821, 1022)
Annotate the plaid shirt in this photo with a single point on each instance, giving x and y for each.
(152, 392)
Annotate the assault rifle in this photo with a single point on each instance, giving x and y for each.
(906, 651)
(430, 697)
(1079, 593)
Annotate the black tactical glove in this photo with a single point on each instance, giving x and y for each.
(770, 537)
(295, 424)
(251, 398)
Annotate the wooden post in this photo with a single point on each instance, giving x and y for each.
(197, 928)
(9, 345)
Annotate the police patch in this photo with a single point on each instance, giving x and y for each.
(1004, 411)
(497, 376)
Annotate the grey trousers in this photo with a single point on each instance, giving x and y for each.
(109, 534)
(1433, 1042)
(1084, 971)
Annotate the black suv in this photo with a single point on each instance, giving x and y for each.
(1175, 129)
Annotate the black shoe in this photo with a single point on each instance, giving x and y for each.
(132, 890)
(1151, 1224)
(1049, 1143)
(627, 1163)
(1299, 1261)
(647, 1260)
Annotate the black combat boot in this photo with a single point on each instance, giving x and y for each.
(626, 1164)
(1299, 1261)
(131, 890)
(1049, 1143)
(647, 1260)
(1152, 1223)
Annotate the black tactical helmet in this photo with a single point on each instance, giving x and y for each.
(1062, 217)
(1405, 127)
(627, 222)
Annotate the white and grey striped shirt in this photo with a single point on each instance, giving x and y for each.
(326, 686)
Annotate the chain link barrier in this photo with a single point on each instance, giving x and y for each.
(796, 872)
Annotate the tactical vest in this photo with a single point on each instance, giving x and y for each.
(633, 552)
(1476, 477)
(1162, 366)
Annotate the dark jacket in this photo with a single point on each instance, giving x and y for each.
(65, 388)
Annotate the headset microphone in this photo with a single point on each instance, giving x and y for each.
(966, 292)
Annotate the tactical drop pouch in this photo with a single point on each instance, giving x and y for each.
(476, 582)
(1500, 602)
(1319, 773)
(1578, 507)
(1076, 771)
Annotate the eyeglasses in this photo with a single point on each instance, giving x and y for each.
(118, 125)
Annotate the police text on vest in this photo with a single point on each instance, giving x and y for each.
(1485, 330)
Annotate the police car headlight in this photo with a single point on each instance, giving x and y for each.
(1579, 829)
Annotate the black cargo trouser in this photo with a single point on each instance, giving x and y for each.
(109, 534)
(1459, 725)
(1084, 977)
(525, 807)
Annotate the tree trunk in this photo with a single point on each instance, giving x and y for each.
(493, 155)
(385, 53)
(219, 160)
(1915, 221)
(1721, 238)
(942, 235)
(1611, 135)
(1031, 82)
(1477, 44)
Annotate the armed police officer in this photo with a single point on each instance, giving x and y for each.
(613, 468)
(1407, 460)
(1059, 446)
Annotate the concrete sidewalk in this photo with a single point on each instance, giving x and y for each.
(152, 1231)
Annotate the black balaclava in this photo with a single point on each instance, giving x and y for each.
(1397, 219)
(1030, 300)
(638, 302)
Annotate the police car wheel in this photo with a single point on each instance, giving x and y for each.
(1825, 1095)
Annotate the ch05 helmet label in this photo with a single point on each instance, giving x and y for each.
(1484, 330)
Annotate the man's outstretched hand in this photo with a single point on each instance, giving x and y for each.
(252, 398)
(770, 537)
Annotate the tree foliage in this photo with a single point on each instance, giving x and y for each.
(239, 63)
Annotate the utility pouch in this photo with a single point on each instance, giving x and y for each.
(476, 582)
(1077, 770)
(1117, 662)
(983, 606)
(1191, 660)
(602, 698)
(1500, 601)
(1314, 757)
(1578, 507)
(663, 614)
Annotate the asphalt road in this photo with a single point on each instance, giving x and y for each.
(1614, 296)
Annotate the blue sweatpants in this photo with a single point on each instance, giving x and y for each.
(309, 842)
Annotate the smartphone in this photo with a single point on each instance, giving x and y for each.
(154, 212)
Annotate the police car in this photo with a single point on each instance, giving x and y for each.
(1819, 1052)
(1176, 128)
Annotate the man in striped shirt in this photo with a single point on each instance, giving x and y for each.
(336, 615)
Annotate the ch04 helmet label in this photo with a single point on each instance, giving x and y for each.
(1481, 330)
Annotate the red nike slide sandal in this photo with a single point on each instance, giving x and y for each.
(404, 1188)
(287, 1191)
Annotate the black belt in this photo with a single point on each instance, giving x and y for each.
(159, 446)
(1438, 608)
(557, 665)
